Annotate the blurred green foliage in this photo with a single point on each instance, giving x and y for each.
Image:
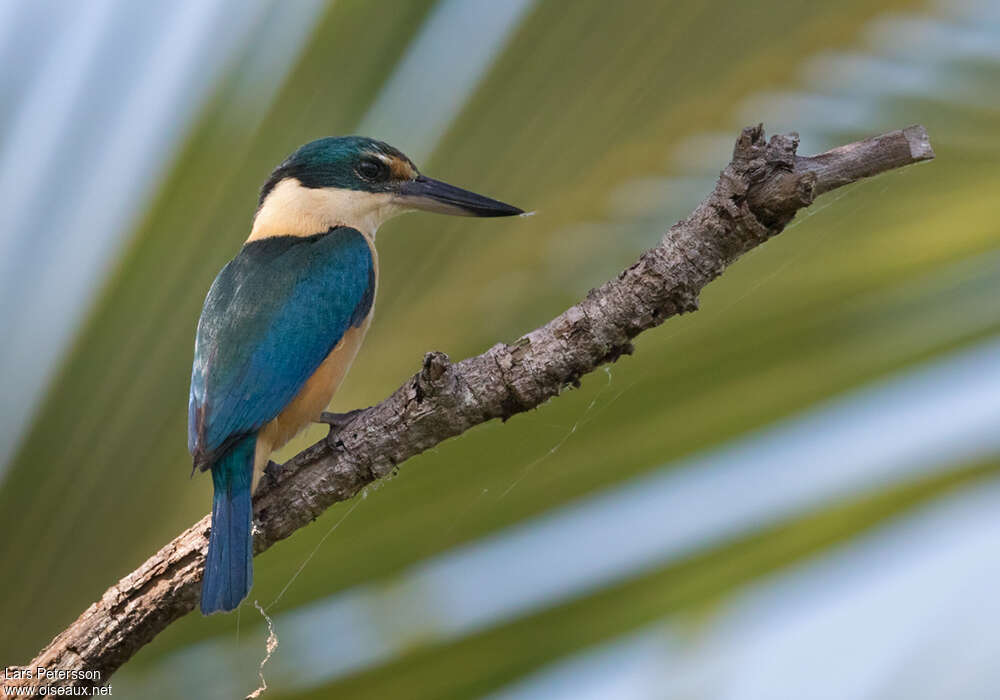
(587, 97)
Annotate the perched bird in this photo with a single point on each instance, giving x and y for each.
(284, 319)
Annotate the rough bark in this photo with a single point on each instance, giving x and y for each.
(756, 196)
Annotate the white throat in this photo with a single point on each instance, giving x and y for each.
(291, 209)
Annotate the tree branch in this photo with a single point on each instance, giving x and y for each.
(756, 196)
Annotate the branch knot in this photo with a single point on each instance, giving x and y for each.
(432, 378)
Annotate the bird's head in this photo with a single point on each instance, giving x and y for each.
(358, 182)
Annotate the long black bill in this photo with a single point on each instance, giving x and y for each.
(433, 195)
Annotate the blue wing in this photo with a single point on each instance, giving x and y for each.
(272, 316)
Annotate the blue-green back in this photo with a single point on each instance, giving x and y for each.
(271, 317)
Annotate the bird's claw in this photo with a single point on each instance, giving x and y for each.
(336, 421)
(271, 472)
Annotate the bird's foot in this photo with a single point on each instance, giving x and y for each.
(336, 421)
(271, 472)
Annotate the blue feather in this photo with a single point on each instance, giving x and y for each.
(272, 316)
(229, 564)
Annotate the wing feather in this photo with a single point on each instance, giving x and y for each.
(271, 317)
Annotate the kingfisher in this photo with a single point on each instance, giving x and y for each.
(284, 320)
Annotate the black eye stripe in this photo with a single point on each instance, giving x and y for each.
(372, 169)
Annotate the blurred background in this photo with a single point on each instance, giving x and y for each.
(792, 493)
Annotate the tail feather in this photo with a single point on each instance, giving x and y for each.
(229, 564)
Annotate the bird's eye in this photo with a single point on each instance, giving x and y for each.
(372, 169)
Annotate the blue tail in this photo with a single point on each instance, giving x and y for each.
(229, 564)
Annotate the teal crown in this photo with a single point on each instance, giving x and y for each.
(344, 162)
